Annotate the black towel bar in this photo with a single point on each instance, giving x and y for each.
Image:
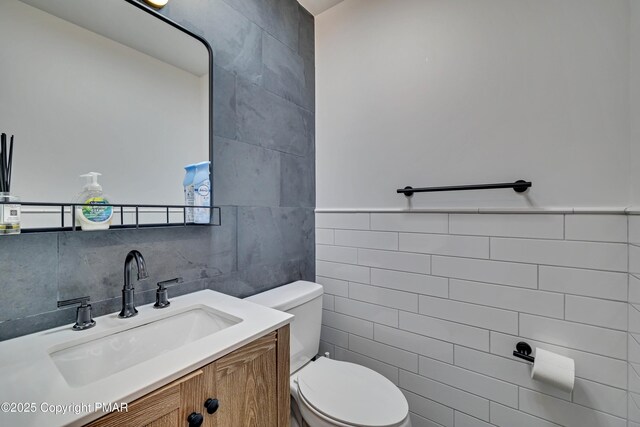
(519, 186)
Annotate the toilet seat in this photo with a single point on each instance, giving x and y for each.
(351, 395)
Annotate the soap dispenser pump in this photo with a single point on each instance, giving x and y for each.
(92, 181)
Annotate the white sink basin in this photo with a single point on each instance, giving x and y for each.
(90, 361)
(121, 360)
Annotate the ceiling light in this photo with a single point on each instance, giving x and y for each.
(158, 4)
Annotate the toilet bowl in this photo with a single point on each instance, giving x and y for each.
(327, 392)
(333, 393)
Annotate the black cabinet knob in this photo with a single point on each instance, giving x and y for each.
(211, 405)
(195, 419)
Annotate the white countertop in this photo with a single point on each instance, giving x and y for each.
(29, 376)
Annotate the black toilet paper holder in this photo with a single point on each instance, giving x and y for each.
(523, 351)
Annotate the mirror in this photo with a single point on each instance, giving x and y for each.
(108, 86)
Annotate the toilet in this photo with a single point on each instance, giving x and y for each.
(327, 392)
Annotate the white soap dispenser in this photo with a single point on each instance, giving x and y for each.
(97, 213)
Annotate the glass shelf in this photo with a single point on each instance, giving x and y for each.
(39, 217)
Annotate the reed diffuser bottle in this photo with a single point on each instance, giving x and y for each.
(9, 214)
(9, 204)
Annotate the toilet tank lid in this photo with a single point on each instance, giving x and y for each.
(288, 296)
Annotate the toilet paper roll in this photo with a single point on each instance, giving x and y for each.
(554, 369)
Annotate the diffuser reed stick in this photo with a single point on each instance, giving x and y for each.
(6, 160)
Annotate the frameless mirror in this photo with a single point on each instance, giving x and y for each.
(104, 86)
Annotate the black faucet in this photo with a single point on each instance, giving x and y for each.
(128, 304)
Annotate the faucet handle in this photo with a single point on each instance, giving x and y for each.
(162, 294)
(83, 313)
(161, 285)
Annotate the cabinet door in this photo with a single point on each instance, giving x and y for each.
(246, 382)
(162, 408)
(252, 383)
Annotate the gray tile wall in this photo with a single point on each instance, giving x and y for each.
(264, 177)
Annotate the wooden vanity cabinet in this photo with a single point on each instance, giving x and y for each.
(250, 384)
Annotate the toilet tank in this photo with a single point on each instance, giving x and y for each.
(304, 301)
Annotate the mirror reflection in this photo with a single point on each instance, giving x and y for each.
(100, 86)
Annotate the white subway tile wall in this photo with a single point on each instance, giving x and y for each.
(436, 303)
(633, 339)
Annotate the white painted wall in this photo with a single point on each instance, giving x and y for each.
(635, 101)
(79, 102)
(316, 7)
(440, 92)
